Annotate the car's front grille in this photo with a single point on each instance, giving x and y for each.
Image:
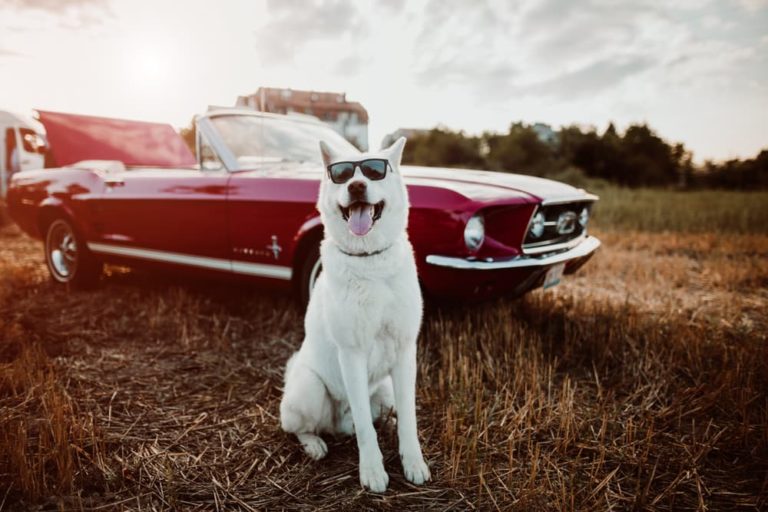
(561, 226)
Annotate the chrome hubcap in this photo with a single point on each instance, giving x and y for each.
(62, 250)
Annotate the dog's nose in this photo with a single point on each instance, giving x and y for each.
(357, 189)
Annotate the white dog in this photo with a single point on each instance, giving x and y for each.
(363, 318)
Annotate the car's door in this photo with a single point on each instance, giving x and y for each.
(174, 216)
(270, 197)
(266, 209)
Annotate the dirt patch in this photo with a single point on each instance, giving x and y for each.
(639, 383)
(706, 278)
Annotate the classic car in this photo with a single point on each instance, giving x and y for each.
(244, 205)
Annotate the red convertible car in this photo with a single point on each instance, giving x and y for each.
(244, 205)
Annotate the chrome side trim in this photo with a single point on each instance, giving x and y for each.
(262, 270)
(587, 247)
(238, 267)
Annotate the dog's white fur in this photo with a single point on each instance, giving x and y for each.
(358, 357)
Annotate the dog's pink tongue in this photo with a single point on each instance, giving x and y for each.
(360, 218)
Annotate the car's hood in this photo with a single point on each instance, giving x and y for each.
(74, 138)
(487, 185)
(473, 184)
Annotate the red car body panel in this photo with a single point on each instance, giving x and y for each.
(266, 211)
(253, 223)
(164, 210)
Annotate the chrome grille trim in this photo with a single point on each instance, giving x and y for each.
(544, 247)
(550, 242)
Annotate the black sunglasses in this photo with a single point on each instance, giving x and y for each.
(372, 168)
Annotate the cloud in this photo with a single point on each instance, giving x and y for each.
(293, 25)
(349, 65)
(568, 34)
(467, 43)
(716, 63)
(395, 6)
(55, 6)
(548, 12)
(565, 49)
(70, 14)
(552, 48)
(592, 79)
(753, 5)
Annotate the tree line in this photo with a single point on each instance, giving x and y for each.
(638, 157)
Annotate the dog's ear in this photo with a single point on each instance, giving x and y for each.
(395, 152)
(328, 156)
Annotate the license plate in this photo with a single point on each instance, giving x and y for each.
(554, 274)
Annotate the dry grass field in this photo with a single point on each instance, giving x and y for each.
(641, 383)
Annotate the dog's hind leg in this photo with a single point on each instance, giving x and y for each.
(344, 424)
(382, 404)
(383, 399)
(305, 409)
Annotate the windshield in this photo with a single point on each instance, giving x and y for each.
(255, 139)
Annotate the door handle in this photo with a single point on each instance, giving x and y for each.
(114, 182)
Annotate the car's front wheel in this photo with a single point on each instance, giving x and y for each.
(68, 258)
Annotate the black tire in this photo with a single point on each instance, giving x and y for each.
(67, 256)
(310, 269)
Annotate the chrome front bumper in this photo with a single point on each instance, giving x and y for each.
(585, 248)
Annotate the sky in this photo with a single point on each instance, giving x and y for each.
(695, 70)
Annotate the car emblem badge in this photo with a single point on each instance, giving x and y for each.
(566, 223)
(275, 247)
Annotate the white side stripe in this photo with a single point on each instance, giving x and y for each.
(238, 267)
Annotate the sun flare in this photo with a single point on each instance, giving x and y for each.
(150, 64)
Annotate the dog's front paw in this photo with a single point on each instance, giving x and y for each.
(415, 469)
(374, 477)
(315, 447)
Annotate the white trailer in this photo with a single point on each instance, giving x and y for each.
(22, 146)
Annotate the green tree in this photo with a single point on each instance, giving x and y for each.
(444, 148)
(747, 174)
(647, 159)
(519, 150)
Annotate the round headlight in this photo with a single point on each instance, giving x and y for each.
(584, 217)
(537, 225)
(474, 233)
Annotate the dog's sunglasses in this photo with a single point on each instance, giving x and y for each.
(372, 168)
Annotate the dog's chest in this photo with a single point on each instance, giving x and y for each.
(383, 352)
(376, 308)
